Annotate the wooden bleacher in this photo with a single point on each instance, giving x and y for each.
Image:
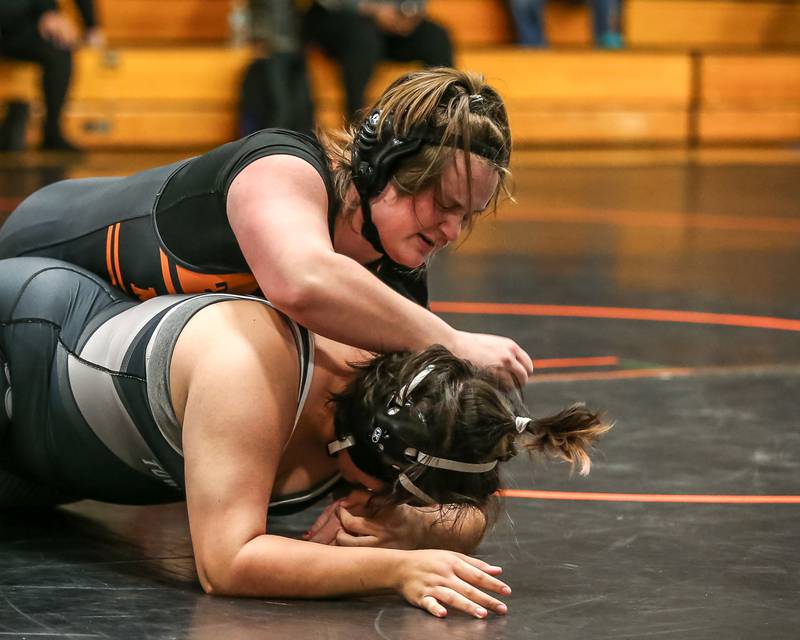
(565, 97)
(712, 24)
(164, 22)
(754, 97)
(169, 79)
(473, 23)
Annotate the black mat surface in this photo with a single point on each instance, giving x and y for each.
(701, 410)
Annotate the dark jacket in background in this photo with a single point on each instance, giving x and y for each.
(15, 13)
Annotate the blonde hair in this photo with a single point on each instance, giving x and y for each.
(459, 103)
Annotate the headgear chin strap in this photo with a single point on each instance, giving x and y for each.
(377, 153)
(383, 452)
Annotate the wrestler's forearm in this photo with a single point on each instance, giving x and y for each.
(341, 300)
(274, 566)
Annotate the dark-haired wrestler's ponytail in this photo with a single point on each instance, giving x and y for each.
(567, 435)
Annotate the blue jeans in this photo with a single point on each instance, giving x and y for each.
(527, 16)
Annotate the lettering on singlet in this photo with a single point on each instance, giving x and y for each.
(159, 472)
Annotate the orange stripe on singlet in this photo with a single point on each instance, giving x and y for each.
(165, 274)
(120, 281)
(109, 259)
(194, 282)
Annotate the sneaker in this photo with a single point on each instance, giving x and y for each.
(15, 126)
(59, 143)
(610, 40)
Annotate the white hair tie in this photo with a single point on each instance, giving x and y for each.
(522, 423)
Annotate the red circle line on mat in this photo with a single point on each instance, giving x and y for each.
(647, 497)
(616, 313)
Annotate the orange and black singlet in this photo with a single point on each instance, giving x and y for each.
(165, 230)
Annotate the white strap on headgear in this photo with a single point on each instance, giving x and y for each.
(522, 423)
(403, 394)
(450, 465)
(338, 445)
(415, 491)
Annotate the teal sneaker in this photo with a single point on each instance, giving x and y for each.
(610, 40)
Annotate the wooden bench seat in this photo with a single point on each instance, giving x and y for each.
(472, 23)
(671, 24)
(143, 97)
(18, 80)
(752, 97)
(150, 22)
(712, 24)
(162, 98)
(558, 97)
(168, 98)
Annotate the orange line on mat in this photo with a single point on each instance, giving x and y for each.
(617, 313)
(560, 363)
(661, 219)
(648, 497)
(625, 374)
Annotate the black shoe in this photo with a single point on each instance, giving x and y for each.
(15, 126)
(59, 143)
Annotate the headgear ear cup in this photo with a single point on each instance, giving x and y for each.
(376, 153)
(363, 151)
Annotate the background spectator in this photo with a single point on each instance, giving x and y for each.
(275, 90)
(528, 18)
(36, 30)
(360, 33)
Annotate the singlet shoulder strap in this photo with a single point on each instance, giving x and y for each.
(162, 344)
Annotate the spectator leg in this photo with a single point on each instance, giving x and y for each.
(429, 42)
(529, 20)
(356, 44)
(606, 21)
(56, 63)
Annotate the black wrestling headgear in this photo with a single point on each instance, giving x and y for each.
(377, 154)
(395, 439)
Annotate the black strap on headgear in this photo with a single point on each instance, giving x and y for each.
(376, 155)
(395, 440)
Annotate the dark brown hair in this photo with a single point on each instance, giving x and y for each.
(467, 416)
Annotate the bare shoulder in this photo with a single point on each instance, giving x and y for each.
(239, 351)
(280, 175)
(274, 203)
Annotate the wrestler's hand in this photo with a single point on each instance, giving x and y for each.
(58, 29)
(432, 580)
(95, 38)
(512, 363)
(390, 19)
(400, 527)
(327, 525)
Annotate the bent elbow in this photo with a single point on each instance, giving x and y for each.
(208, 588)
(212, 580)
(296, 297)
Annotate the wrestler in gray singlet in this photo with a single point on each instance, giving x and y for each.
(89, 413)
